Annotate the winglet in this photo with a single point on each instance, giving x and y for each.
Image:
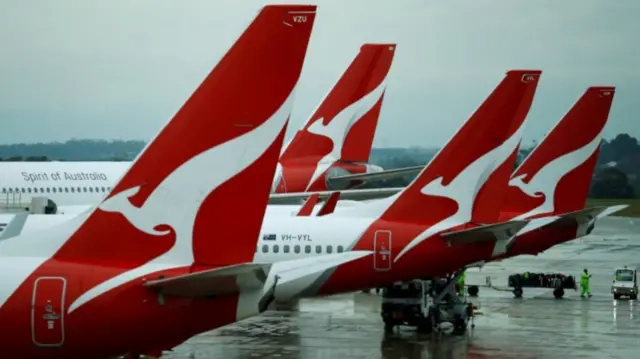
(14, 228)
(330, 205)
(309, 204)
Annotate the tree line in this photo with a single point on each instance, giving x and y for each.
(617, 173)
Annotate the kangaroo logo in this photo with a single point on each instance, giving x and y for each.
(464, 188)
(184, 192)
(543, 184)
(338, 128)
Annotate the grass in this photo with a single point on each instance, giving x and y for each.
(632, 211)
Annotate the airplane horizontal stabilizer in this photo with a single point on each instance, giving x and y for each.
(214, 282)
(493, 232)
(611, 210)
(375, 176)
(354, 195)
(248, 276)
(580, 217)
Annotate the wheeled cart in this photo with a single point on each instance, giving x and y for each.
(559, 282)
(425, 304)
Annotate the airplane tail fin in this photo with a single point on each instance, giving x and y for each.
(471, 165)
(170, 208)
(556, 176)
(348, 116)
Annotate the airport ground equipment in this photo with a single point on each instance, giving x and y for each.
(425, 304)
(559, 282)
(625, 283)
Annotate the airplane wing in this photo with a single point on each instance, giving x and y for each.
(375, 176)
(354, 195)
(493, 232)
(248, 276)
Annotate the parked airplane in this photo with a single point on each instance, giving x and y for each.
(551, 184)
(555, 177)
(454, 190)
(336, 139)
(107, 282)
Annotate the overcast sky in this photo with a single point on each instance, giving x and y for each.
(119, 69)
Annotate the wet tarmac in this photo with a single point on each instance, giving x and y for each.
(536, 326)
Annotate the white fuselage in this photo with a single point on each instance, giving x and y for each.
(280, 239)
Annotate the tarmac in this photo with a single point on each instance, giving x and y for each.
(536, 326)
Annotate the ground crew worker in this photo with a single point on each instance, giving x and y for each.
(584, 283)
(461, 282)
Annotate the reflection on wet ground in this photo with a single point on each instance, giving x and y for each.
(537, 326)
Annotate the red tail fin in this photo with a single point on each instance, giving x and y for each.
(448, 186)
(555, 177)
(178, 203)
(344, 124)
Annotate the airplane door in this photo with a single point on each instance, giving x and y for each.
(382, 245)
(47, 311)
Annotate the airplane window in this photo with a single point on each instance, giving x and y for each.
(41, 189)
(307, 249)
(318, 249)
(22, 189)
(17, 189)
(84, 189)
(79, 189)
(4, 190)
(104, 189)
(90, 189)
(276, 248)
(53, 189)
(66, 189)
(296, 248)
(339, 249)
(285, 248)
(29, 190)
(73, 189)
(265, 248)
(109, 189)
(329, 249)
(97, 189)
(60, 189)
(48, 189)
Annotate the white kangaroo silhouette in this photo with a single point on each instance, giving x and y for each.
(338, 128)
(545, 181)
(464, 188)
(183, 191)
